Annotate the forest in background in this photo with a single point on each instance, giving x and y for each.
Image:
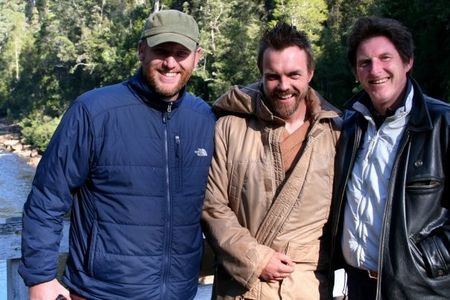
(51, 51)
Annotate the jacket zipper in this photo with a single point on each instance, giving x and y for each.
(179, 163)
(168, 225)
(387, 211)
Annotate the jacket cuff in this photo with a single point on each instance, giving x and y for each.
(34, 279)
(266, 254)
(436, 256)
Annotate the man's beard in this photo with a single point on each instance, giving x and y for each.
(167, 92)
(284, 111)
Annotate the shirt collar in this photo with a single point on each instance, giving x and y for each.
(364, 105)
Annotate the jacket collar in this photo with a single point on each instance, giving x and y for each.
(250, 100)
(139, 85)
(419, 116)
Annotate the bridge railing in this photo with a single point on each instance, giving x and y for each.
(10, 250)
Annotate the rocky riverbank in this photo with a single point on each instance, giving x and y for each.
(10, 141)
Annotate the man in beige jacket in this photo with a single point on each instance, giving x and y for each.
(270, 182)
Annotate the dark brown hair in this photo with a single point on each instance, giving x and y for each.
(283, 36)
(368, 27)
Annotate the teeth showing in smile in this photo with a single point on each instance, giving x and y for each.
(379, 81)
(171, 74)
(284, 97)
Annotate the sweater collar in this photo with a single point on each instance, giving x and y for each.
(139, 85)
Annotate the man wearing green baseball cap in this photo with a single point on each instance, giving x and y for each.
(130, 161)
(171, 26)
(169, 51)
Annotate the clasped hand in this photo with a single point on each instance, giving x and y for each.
(278, 268)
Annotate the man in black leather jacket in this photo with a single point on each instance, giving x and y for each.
(391, 211)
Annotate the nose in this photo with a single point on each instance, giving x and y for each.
(169, 62)
(283, 84)
(376, 66)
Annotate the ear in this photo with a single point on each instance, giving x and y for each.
(310, 76)
(197, 55)
(355, 75)
(409, 65)
(141, 50)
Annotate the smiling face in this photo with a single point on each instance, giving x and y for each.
(286, 80)
(381, 71)
(167, 67)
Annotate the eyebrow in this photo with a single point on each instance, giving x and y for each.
(294, 72)
(381, 54)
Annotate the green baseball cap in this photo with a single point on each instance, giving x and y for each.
(171, 26)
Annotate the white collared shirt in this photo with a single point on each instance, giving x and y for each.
(368, 186)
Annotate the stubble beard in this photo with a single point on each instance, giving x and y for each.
(167, 92)
(284, 111)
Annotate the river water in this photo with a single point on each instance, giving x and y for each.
(15, 182)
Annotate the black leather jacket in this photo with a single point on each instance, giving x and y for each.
(415, 239)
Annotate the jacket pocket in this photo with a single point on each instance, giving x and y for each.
(436, 255)
(92, 248)
(312, 253)
(417, 255)
(424, 185)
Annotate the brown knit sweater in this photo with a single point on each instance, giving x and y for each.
(291, 145)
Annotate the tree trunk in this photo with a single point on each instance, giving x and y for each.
(16, 52)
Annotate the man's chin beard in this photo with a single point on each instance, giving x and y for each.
(166, 95)
(283, 111)
(284, 114)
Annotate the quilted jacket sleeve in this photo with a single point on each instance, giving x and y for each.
(237, 250)
(62, 169)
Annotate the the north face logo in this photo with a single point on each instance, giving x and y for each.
(201, 152)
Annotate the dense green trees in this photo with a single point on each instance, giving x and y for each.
(228, 38)
(52, 51)
(430, 23)
(333, 76)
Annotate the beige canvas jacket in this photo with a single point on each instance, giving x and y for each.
(252, 210)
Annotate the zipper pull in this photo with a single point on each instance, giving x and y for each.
(177, 142)
(168, 111)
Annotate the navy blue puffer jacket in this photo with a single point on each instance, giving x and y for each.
(133, 169)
